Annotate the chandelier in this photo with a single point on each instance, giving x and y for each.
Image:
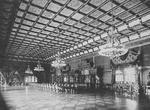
(39, 67)
(28, 71)
(58, 62)
(112, 48)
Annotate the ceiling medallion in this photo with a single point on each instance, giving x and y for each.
(39, 67)
(28, 71)
(112, 48)
(58, 62)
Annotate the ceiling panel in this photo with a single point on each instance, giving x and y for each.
(58, 25)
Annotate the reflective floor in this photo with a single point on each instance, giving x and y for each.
(32, 99)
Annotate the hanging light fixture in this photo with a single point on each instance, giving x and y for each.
(28, 71)
(39, 67)
(58, 62)
(112, 48)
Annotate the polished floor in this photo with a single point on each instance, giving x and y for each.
(33, 99)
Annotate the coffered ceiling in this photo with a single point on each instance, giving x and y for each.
(39, 29)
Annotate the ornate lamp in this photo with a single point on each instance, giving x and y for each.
(39, 67)
(28, 71)
(58, 62)
(112, 48)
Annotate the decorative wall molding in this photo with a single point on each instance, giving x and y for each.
(138, 42)
(131, 57)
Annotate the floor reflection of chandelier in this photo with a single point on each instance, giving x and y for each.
(112, 48)
(58, 62)
(28, 71)
(39, 67)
